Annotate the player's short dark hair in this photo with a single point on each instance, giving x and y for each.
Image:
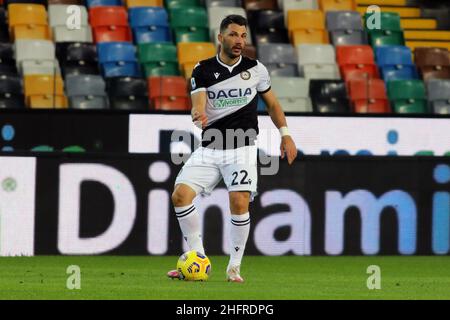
(233, 18)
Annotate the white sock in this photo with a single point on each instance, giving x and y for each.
(240, 228)
(189, 221)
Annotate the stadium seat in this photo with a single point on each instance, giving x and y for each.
(292, 93)
(317, 61)
(150, 24)
(86, 92)
(11, 92)
(58, 17)
(356, 61)
(168, 93)
(391, 32)
(144, 3)
(407, 96)
(368, 96)
(189, 24)
(36, 57)
(217, 14)
(75, 2)
(307, 26)
(118, 59)
(268, 26)
(4, 29)
(44, 91)
(190, 53)
(345, 28)
(288, 5)
(158, 59)
(223, 3)
(77, 58)
(329, 5)
(28, 21)
(438, 92)
(102, 3)
(171, 4)
(7, 60)
(280, 59)
(329, 96)
(433, 63)
(110, 24)
(395, 63)
(127, 93)
(250, 5)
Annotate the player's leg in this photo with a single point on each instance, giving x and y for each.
(188, 218)
(240, 175)
(239, 231)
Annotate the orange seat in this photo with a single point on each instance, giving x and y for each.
(307, 26)
(43, 91)
(190, 53)
(28, 21)
(110, 23)
(327, 5)
(168, 93)
(371, 106)
(144, 3)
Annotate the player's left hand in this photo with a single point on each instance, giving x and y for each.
(288, 149)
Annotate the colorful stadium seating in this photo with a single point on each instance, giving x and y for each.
(44, 91)
(158, 59)
(127, 93)
(11, 92)
(329, 96)
(86, 92)
(109, 24)
(118, 59)
(149, 24)
(168, 93)
(407, 96)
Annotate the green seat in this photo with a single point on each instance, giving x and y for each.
(386, 37)
(407, 96)
(170, 4)
(389, 21)
(191, 35)
(158, 59)
(191, 17)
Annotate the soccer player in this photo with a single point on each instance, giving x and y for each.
(224, 93)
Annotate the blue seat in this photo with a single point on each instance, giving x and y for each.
(98, 3)
(150, 24)
(118, 59)
(396, 63)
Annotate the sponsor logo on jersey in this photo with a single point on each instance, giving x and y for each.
(193, 84)
(230, 98)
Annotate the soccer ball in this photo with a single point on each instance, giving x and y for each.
(194, 266)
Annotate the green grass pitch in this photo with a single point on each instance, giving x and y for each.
(267, 278)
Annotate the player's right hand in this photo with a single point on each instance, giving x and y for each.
(200, 119)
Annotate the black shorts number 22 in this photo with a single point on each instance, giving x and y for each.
(244, 175)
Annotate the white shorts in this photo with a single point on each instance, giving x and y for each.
(206, 167)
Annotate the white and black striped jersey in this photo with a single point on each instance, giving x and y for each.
(232, 94)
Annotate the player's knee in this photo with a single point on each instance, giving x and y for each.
(182, 196)
(239, 202)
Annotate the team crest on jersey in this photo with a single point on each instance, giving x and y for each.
(245, 75)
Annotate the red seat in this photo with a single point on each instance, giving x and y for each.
(368, 96)
(356, 62)
(168, 93)
(110, 24)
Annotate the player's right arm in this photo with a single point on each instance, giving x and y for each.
(198, 97)
(198, 108)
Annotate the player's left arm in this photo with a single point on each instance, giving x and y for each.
(276, 113)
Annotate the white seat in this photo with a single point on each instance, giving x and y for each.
(318, 71)
(29, 67)
(63, 34)
(293, 93)
(35, 55)
(58, 15)
(217, 14)
(316, 54)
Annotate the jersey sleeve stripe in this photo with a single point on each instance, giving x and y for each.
(198, 90)
(264, 91)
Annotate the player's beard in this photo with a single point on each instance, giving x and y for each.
(229, 52)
